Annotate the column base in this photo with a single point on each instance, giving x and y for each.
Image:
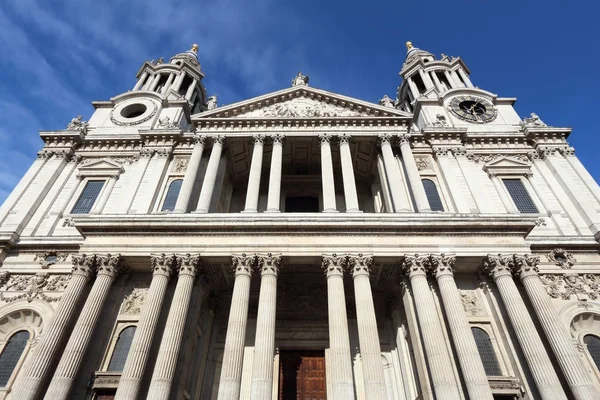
(354, 210)
(200, 212)
(330, 210)
(250, 210)
(178, 212)
(273, 210)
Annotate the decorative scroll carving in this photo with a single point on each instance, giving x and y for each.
(258, 139)
(110, 264)
(301, 107)
(269, 264)
(34, 286)
(442, 264)
(415, 265)
(570, 284)
(471, 302)
(498, 265)
(83, 265)
(360, 264)
(324, 138)
(132, 304)
(50, 257)
(333, 264)
(277, 138)
(561, 258)
(526, 265)
(344, 138)
(384, 138)
(243, 264)
(163, 264)
(188, 264)
(218, 139)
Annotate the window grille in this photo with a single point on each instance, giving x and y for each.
(593, 345)
(520, 196)
(435, 202)
(172, 194)
(88, 197)
(119, 355)
(486, 352)
(11, 354)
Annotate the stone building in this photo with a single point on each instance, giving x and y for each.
(302, 244)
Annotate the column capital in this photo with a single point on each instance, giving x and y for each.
(404, 138)
(199, 140)
(218, 139)
(333, 264)
(526, 265)
(258, 139)
(498, 265)
(359, 264)
(442, 264)
(109, 264)
(277, 138)
(269, 264)
(162, 264)
(324, 138)
(83, 265)
(188, 264)
(415, 265)
(344, 138)
(243, 264)
(384, 138)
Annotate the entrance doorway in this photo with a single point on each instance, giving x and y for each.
(302, 375)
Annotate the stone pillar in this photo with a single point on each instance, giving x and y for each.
(340, 361)
(327, 174)
(42, 358)
(253, 190)
(264, 344)
(190, 90)
(464, 77)
(168, 83)
(170, 345)
(471, 366)
(350, 194)
(140, 81)
(233, 356)
(437, 82)
(454, 81)
(154, 83)
(571, 364)
(210, 177)
(368, 335)
(179, 81)
(273, 199)
(542, 370)
(393, 174)
(438, 359)
(133, 371)
(412, 172)
(108, 267)
(187, 186)
(426, 79)
(413, 88)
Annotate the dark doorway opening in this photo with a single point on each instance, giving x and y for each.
(302, 375)
(301, 204)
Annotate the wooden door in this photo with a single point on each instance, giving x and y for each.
(302, 375)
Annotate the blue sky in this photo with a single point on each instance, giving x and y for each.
(58, 56)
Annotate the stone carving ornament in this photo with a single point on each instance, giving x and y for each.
(333, 264)
(181, 165)
(570, 284)
(211, 103)
(50, 257)
(132, 304)
(300, 79)
(440, 121)
(386, 101)
(33, 286)
(78, 124)
(561, 258)
(533, 121)
(166, 123)
(471, 303)
(422, 164)
(243, 264)
(269, 264)
(302, 107)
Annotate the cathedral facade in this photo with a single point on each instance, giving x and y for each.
(302, 245)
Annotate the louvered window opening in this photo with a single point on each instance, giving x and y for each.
(593, 345)
(435, 202)
(172, 194)
(486, 352)
(119, 356)
(88, 197)
(11, 354)
(520, 196)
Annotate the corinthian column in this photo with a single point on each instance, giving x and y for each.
(210, 177)
(275, 174)
(233, 355)
(438, 359)
(170, 345)
(340, 361)
(412, 172)
(544, 375)
(60, 387)
(368, 336)
(131, 378)
(394, 176)
(571, 364)
(264, 344)
(38, 368)
(185, 193)
(471, 366)
(327, 174)
(348, 174)
(253, 190)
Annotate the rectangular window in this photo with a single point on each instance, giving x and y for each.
(520, 196)
(88, 197)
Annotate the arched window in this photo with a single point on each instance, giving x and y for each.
(486, 352)
(11, 354)
(172, 194)
(593, 345)
(119, 355)
(435, 203)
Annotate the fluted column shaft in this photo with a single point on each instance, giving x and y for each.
(273, 199)
(393, 175)
(133, 371)
(412, 172)
(542, 370)
(438, 359)
(44, 354)
(471, 366)
(327, 174)
(571, 364)
(340, 360)
(253, 190)
(187, 186)
(170, 345)
(264, 344)
(350, 195)
(368, 336)
(62, 382)
(233, 355)
(210, 178)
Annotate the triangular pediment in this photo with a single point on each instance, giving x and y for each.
(99, 167)
(506, 162)
(301, 101)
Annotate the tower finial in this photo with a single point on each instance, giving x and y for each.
(409, 45)
(195, 48)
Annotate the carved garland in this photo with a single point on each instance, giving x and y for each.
(33, 286)
(567, 285)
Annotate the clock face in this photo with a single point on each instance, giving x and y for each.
(473, 109)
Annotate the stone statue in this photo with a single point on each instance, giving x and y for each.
(77, 124)
(166, 123)
(440, 120)
(160, 60)
(386, 101)
(300, 79)
(211, 104)
(533, 121)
